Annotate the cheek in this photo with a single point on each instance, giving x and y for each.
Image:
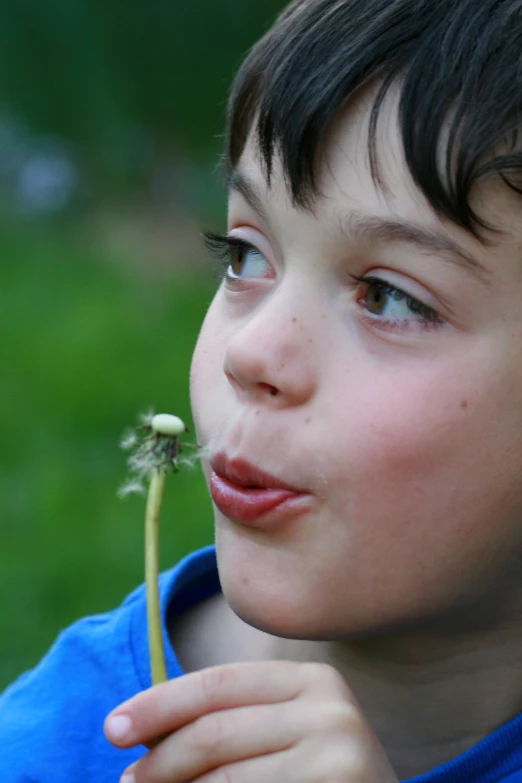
(429, 459)
(416, 417)
(432, 448)
(206, 370)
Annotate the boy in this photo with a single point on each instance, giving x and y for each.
(363, 433)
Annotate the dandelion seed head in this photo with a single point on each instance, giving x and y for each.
(154, 446)
(166, 424)
(141, 463)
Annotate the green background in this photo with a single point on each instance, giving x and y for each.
(101, 298)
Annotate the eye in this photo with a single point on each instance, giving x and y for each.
(391, 307)
(245, 261)
(240, 259)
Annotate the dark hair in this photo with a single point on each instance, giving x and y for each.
(459, 66)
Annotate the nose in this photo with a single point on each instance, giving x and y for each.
(270, 356)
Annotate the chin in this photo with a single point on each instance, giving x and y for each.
(275, 611)
(262, 617)
(285, 612)
(260, 585)
(273, 590)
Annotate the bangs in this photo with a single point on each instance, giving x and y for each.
(458, 64)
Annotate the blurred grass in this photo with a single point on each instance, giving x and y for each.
(87, 343)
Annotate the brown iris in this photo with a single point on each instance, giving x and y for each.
(376, 299)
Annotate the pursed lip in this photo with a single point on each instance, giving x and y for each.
(241, 472)
(246, 494)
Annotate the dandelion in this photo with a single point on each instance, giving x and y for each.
(156, 451)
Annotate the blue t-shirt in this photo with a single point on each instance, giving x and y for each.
(51, 718)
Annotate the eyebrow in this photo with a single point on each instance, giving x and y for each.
(368, 228)
(364, 228)
(242, 184)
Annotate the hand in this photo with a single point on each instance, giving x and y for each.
(263, 722)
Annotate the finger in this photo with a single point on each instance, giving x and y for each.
(321, 759)
(222, 738)
(272, 768)
(167, 707)
(264, 769)
(278, 767)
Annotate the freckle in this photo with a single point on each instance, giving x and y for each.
(310, 340)
(245, 581)
(308, 420)
(464, 404)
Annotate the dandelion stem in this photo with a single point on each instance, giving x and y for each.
(157, 655)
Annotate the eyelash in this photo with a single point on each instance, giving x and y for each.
(428, 318)
(225, 247)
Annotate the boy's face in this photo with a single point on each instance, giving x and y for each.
(403, 421)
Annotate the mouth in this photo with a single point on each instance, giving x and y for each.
(246, 494)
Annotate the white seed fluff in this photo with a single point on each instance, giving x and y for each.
(128, 440)
(131, 487)
(166, 424)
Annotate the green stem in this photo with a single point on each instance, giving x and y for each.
(157, 655)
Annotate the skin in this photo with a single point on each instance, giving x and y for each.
(402, 578)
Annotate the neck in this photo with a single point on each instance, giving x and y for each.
(428, 699)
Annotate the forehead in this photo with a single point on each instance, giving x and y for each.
(343, 172)
(347, 188)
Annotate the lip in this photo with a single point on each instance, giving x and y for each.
(242, 473)
(246, 494)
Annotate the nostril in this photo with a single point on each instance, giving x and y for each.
(272, 390)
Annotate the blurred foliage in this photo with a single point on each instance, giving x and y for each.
(126, 81)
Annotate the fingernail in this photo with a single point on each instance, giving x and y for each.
(119, 727)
